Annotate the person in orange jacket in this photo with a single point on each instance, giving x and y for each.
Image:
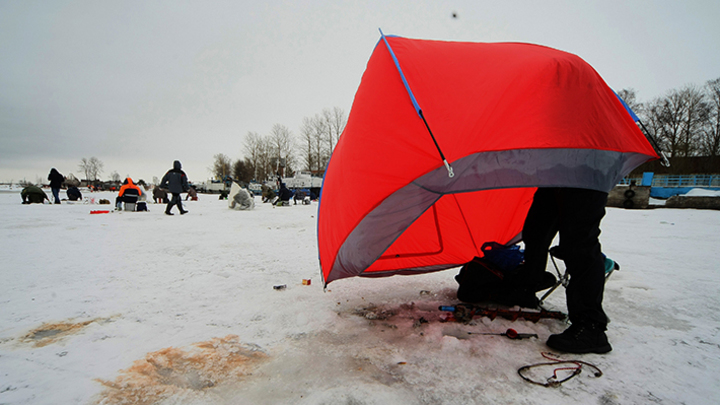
(129, 192)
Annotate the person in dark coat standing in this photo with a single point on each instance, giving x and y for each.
(175, 181)
(575, 214)
(56, 181)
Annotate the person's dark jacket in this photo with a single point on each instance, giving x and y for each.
(73, 193)
(284, 193)
(33, 195)
(175, 179)
(56, 179)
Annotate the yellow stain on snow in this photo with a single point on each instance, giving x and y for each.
(172, 371)
(49, 333)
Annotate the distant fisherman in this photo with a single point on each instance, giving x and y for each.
(33, 195)
(56, 181)
(175, 181)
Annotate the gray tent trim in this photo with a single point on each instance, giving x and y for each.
(578, 168)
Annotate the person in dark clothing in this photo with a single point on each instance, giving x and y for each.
(175, 181)
(73, 193)
(56, 181)
(284, 195)
(268, 195)
(299, 196)
(33, 195)
(191, 194)
(575, 214)
(160, 195)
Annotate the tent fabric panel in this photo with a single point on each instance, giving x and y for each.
(495, 215)
(366, 159)
(409, 245)
(379, 229)
(513, 95)
(451, 226)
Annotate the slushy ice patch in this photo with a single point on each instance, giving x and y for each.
(174, 371)
(52, 332)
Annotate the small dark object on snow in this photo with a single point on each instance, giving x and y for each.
(510, 333)
(575, 366)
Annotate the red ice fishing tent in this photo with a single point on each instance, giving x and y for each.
(507, 117)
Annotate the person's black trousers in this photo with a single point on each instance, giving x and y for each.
(175, 200)
(576, 214)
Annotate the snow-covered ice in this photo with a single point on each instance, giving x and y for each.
(702, 192)
(142, 308)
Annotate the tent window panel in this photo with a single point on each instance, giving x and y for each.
(422, 238)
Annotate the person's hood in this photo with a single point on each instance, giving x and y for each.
(177, 165)
(129, 181)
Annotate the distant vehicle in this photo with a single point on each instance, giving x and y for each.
(255, 187)
(210, 186)
(303, 179)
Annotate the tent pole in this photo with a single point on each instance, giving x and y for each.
(415, 104)
(442, 156)
(665, 162)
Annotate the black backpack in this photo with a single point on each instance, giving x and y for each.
(490, 278)
(479, 280)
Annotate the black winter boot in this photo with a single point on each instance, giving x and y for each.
(581, 337)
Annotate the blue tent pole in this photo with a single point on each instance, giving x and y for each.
(415, 104)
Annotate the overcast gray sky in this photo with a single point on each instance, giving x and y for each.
(139, 84)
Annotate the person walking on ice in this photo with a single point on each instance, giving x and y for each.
(176, 182)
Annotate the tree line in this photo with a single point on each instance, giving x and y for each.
(281, 152)
(685, 122)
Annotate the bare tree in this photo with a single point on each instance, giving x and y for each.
(710, 137)
(652, 118)
(678, 121)
(313, 144)
(114, 176)
(321, 145)
(629, 96)
(281, 147)
(309, 158)
(259, 155)
(254, 151)
(694, 119)
(243, 171)
(91, 167)
(222, 166)
(670, 113)
(335, 122)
